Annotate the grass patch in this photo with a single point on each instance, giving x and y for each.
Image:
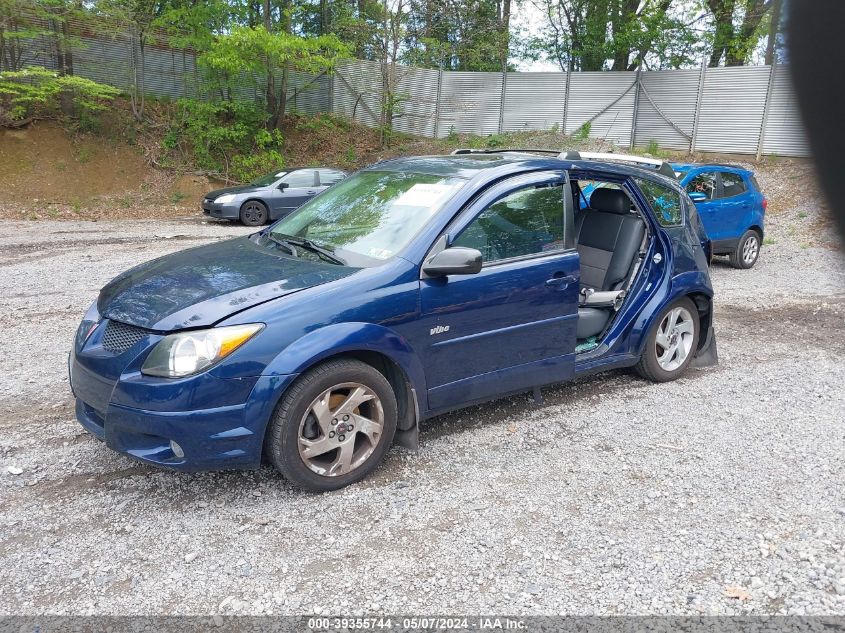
(176, 197)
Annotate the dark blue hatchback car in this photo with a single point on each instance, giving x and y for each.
(411, 288)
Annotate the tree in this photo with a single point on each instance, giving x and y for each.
(732, 43)
(259, 56)
(616, 34)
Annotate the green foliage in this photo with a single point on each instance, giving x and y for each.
(452, 137)
(495, 140)
(225, 137)
(261, 57)
(652, 148)
(38, 93)
(583, 132)
(176, 197)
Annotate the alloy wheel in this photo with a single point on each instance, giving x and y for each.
(750, 249)
(674, 338)
(253, 213)
(340, 429)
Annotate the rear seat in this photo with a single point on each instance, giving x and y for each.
(608, 237)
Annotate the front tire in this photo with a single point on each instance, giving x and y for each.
(671, 343)
(747, 250)
(254, 213)
(333, 426)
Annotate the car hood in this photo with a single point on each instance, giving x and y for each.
(200, 286)
(211, 195)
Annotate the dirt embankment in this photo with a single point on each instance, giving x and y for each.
(48, 173)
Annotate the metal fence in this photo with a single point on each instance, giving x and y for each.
(743, 110)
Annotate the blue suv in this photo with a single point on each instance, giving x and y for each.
(731, 206)
(414, 287)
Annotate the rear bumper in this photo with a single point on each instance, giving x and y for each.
(222, 211)
(217, 438)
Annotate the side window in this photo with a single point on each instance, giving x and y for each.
(704, 183)
(525, 222)
(665, 201)
(329, 177)
(301, 178)
(732, 185)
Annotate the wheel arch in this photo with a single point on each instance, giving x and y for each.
(704, 305)
(375, 345)
(757, 229)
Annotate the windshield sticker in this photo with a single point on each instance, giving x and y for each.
(379, 253)
(424, 195)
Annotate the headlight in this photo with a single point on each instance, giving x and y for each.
(89, 323)
(226, 197)
(187, 353)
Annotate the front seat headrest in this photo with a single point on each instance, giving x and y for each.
(611, 201)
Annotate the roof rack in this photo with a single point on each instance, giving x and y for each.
(661, 166)
(468, 150)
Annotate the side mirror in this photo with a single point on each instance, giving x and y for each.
(457, 260)
(283, 185)
(697, 196)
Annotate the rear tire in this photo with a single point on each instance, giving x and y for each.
(747, 250)
(333, 426)
(254, 213)
(671, 343)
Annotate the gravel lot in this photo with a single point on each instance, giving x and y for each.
(615, 496)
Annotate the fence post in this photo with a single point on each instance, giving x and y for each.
(502, 101)
(437, 101)
(637, 80)
(765, 121)
(566, 101)
(698, 105)
(331, 93)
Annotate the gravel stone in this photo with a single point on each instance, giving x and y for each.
(508, 507)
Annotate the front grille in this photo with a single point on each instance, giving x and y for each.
(119, 337)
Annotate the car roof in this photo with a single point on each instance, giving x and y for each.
(715, 166)
(469, 166)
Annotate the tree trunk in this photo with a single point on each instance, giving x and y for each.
(723, 13)
(774, 27)
(324, 17)
(270, 90)
(505, 34)
(742, 43)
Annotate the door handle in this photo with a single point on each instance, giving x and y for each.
(561, 282)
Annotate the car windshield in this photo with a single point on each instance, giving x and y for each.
(371, 216)
(269, 179)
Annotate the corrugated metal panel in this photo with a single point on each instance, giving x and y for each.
(417, 90)
(469, 103)
(307, 93)
(592, 92)
(732, 109)
(785, 134)
(534, 101)
(675, 93)
(358, 82)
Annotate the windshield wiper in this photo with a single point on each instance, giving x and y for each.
(307, 244)
(283, 242)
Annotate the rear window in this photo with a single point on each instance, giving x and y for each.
(732, 185)
(665, 201)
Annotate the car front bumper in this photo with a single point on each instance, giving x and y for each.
(160, 427)
(229, 211)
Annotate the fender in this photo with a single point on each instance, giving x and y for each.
(682, 284)
(338, 338)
